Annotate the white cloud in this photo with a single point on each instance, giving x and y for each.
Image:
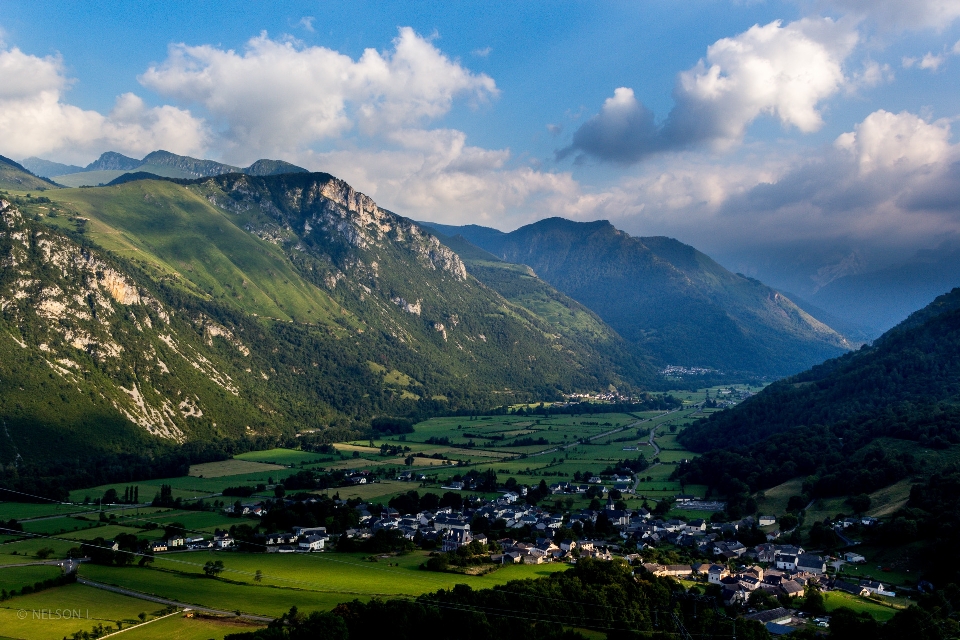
(885, 141)
(783, 71)
(872, 75)
(34, 119)
(482, 53)
(279, 97)
(307, 23)
(932, 62)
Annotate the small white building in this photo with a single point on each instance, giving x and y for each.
(312, 543)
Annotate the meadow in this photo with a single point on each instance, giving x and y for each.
(181, 626)
(314, 581)
(87, 608)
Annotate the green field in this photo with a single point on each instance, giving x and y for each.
(835, 599)
(13, 577)
(87, 607)
(180, 627)
(282, 456)
(316, 581)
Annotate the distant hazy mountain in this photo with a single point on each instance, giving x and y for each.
(16, 177)
(674, 301)
(47, 168)
(879, 300)
(111, 165)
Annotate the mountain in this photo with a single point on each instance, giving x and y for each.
(113, 161)
(47, 168)
(852, 424)
(521, 286)
(111, 165)
(244, 305)
(881, 299)
(667, 297)
(16, 177)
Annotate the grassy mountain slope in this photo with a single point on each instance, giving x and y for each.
(668, 297)
(14, 176)
(249, 305)
(828, 422)
(521, 286)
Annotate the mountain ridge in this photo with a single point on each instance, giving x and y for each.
(666, 296)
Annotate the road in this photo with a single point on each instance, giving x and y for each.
(171, 603)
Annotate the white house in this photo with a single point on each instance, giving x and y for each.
(312, 543)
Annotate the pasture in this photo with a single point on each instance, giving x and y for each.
(81, 608)
(231, 467)
(180, 626)
(311, 581)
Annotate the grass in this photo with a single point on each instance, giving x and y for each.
(890, 499)
(17, 577)
(181, 627)
(175, 233)
(284, 457)
(317, 581)
(775, 499)
(87, 607)
(230, 467)
(836, 599)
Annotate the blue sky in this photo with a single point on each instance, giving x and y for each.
(814, 133)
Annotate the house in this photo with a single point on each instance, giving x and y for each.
(543, 547)
(568, 545)
(716, 573)
(312, 543)
(780, 615)
(696, 525)
(854, 558)
(676, 570)
(786, 562)
(811, 564)
(159, 545)
(847, 587)
(309, 531)
(453, 539)
(176, 541)
(766, 521)
(791, 587)
(876, 587)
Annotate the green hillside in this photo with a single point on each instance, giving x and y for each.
(14, 176)
(521, 286)
(828, 423)
(672, 300)
(154, 312)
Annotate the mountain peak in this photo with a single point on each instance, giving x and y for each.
(113, 161)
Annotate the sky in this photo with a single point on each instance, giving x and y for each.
(795, 141)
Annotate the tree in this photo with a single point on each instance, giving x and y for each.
(110, 496)
(258, 576)
(44, 553)
(213, 569)
(859, 503)
(813, 600)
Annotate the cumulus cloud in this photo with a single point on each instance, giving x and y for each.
(783, 71)
(280, 96)
(35, 119)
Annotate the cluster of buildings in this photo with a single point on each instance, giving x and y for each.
(788, 571)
